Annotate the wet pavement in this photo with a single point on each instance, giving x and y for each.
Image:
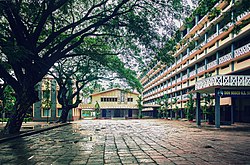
(129, 142)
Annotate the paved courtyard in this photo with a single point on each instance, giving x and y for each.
(129, 142)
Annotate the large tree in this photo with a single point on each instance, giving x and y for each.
(72, 74)
(34, 34)
(79, 72)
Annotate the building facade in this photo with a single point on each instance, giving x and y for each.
(114, 103)
(48, 90)
(211, 57)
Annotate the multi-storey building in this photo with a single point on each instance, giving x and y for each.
(113, 103)
(212, 57)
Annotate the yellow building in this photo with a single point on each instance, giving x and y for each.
(211, 57)
(114, 103)
(53, 112)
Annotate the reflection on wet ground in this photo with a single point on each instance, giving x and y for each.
(128, 142)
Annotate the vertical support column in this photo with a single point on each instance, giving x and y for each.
(217, 59)
(205, 37)
(217, 29)
(171, 111)
(232, 19)
(232, 110)
(53, 100)
(196, 71)
(218, 33)
(206, 61)
(232, 51)
(198, 109)
(196, 19)
(217, 108)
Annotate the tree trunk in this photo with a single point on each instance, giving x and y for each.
(64, 115)
(14, 124)
(24, 100)
(139, 114)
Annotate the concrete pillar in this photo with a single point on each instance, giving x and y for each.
(217, 59)
(53, 100)
(232, 51)
(206, 61)
(198, 109)
(217, 28)
(217, 108)
(196, 19)
(232, 110)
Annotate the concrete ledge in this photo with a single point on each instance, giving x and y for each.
(4, 139)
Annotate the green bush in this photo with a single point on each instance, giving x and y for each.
(28, 119)
(4, 119)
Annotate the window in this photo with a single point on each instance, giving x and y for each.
(45, 112)
(46, 94)
(108, 99)
(59, 112)
(130, 99)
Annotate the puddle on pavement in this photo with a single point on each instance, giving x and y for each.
(207, 146)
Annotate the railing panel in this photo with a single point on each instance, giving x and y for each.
(201, 69)
(242, 50)
(223, 80)
(225, 58)
(212, 64)
(192, 73)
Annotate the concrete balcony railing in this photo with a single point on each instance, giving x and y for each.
(224, 28)
(212, 64)
(178, 98)
(192, 51)
(178, 61)
(242, 50)
(202, 44)
(185, 96)
(173, 89)
(242, 15)
(223, 80)
(225, 58)
(178, 69)
(212, 37)
(185, 56)
(184, 77)
(201, 69)
(192, 73)
(178, 79)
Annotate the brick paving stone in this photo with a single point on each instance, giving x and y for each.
(129, 142)
(162, 161)
(183, 163)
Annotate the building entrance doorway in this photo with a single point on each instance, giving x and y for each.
(104, 113)
(117, 113)
(130, 112)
